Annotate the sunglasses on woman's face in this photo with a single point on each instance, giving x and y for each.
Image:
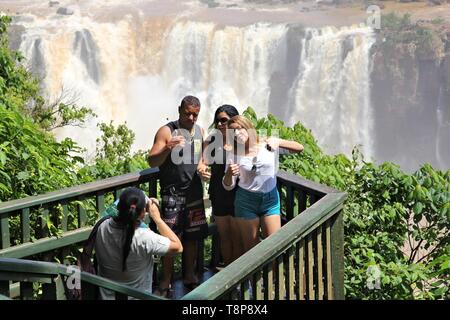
(222, 121)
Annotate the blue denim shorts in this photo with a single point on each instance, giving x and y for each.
(252, 205)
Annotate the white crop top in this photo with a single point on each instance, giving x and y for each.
(256, 173)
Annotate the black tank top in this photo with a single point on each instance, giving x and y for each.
(183, 175)
(217, 192)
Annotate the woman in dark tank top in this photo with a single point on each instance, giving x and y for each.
(222, 201)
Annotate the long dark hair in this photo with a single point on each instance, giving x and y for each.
(130, 206)
(230, 110)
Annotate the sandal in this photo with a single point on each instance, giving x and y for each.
(164, 292)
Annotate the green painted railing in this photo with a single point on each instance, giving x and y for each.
(2, 297)
(304, 260)
(56, 281)
(70, 210)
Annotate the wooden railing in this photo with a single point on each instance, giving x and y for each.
(303, 260)
(71, 211)
(56, 280)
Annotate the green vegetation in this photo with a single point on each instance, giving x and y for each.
(421, 40)
(386, 211)
(31, 160)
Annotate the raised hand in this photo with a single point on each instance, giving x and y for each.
(272, 144)
(153, 209)
(233, 169)
(204, 173)
(176, 141)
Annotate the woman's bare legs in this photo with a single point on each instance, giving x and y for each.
(236, 239)
(224, 225)
(249, 230)
(270, 224)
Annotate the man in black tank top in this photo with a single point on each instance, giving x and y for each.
(177, 151)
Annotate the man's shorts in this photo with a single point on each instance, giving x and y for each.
(252, 205)
(186, 217)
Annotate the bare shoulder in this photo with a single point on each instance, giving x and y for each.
(163, 133)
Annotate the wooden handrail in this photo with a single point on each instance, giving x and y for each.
(269, 249)
(85, 190)
(317, 227)
(28, 268)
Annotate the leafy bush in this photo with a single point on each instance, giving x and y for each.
(113, 156)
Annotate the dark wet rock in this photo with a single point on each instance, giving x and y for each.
(22, 18)
(37, 61)
(327, 2)
(65, 11)
(15, 32)
(435, 2)
(87, 50)
(347, 46)
(410, 78)
(373, 3)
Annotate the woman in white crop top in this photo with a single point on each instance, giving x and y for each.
(255, 162)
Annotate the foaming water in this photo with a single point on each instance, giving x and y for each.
(331, 94)
(137, 69)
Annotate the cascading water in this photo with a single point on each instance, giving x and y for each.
(331, 94)
(138, 70)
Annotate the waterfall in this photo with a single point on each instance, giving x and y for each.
(331, 94)
(86, 50)
(137, 70)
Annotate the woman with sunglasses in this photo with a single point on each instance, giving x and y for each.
(222, 201)
(257, 202)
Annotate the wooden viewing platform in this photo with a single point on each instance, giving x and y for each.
(302, 261)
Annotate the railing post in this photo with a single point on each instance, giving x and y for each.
(26, 290)
(4, 287)
(152, 188)
(301, 201)
(4, 232)
(100, 203)
(289, 203)
(25, 224)
(337, 256)
(49, 291)
(45, 216)
(215, 250)
(82, 215)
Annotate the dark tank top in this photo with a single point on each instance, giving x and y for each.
(183, 175)
(217, 192)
